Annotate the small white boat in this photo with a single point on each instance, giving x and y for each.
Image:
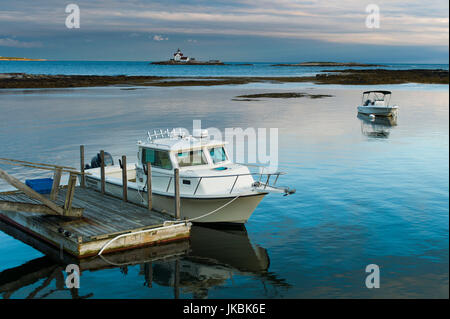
(212, 188)
(377, 103)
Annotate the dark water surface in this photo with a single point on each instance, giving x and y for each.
(367, 193)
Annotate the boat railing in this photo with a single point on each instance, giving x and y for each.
(260, 183)
(167, 133)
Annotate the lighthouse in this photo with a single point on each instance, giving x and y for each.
(179, 57)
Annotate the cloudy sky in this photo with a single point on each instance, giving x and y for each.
(413, 31)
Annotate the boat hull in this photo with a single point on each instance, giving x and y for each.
(377, 110)
(230, 209)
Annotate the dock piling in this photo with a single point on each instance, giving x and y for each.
(124, 178)
(82, 181)
(149, 186)
(177, 193)
(102, 170)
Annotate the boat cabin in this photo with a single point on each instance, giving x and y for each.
(204, 164)
(183, 152)
(378, 98)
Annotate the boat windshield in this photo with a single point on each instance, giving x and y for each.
(157, 158)
(218, 154)
(191, 158)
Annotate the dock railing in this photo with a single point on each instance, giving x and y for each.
(48, 205)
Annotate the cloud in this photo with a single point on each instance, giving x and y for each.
(159, 38)
(8, 42)
(292, 19)
(403, 22)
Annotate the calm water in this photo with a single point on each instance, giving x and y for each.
(367, 192)
(144, 68)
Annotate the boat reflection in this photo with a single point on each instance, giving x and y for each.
(210, 258)
(377, 126)
(215, 256)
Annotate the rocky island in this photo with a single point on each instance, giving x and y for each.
(180, 59)
(6, 58)
(284, 95)
(327, 64)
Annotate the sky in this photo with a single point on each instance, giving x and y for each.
(413, 31)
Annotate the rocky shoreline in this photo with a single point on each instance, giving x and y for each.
(5, 58)
(324, 64)
(191, 62)
(278, 95)
(344, 77)
(384, 76)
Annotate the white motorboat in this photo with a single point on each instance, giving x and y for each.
(212, 188)
(377, 103)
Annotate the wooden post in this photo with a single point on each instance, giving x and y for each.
(56, 182)
(149, 186)
(177, 193)
(124, 178)
(102, 170)
(83, 180)
(69, 194)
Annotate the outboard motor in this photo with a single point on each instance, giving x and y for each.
(96, 161)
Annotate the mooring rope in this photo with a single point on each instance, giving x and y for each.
(173, 224)
(215, 210)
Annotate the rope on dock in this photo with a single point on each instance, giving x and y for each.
(135, 233)
(165, 225)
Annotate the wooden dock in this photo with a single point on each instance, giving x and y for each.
(37, 274)
(104, 218)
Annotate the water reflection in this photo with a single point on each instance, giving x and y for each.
(210, 258)
(216, 255)
(377, 127)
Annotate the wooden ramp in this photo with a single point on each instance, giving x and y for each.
(104, 218)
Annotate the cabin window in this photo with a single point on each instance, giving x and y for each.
(218, 154)
(157, 158)
(191, 158)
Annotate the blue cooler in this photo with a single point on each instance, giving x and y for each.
(40, 185)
